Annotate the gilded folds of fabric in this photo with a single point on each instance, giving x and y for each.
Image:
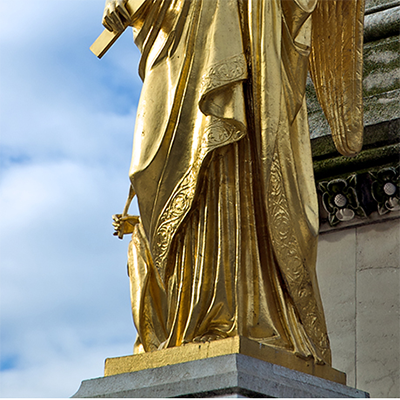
(223, 172)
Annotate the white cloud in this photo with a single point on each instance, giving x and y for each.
(53, 379)
(66, 127)
(62, 271)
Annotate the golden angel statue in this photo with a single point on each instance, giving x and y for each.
(226, 241)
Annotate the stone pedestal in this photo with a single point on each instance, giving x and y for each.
(233, 367)
(233, 375)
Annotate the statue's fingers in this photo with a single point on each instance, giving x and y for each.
(117, 23)
(105, 21)
(109, 22)
(121, 231)
(107, 26)
(123, 11)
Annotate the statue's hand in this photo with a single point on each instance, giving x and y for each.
(124, 225)
(115, 14)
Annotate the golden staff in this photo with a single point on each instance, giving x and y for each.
(106, 39)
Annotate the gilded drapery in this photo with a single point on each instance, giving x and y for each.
(223, 172)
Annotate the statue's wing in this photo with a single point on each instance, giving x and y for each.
(336, 69)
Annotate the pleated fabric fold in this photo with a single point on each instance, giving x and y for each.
(223, 171)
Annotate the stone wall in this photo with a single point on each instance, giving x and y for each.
(381, 69)
(359, 249)
(358, 271)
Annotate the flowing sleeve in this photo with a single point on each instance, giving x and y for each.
(336, 69)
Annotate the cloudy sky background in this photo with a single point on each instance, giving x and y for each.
(66, 130)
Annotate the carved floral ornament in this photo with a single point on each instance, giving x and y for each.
(340, 200)
(385, 189)
(361, 194)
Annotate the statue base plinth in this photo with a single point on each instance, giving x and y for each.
(233, 367)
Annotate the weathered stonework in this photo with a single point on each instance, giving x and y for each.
(359, 278)
(359, 247)
(375, 5)
(233, 375)
(381, 75)
(381, 150)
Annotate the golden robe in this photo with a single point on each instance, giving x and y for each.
(222, 166)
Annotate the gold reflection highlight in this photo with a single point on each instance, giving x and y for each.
(226, 242)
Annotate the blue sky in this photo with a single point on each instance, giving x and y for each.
(66, 130)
